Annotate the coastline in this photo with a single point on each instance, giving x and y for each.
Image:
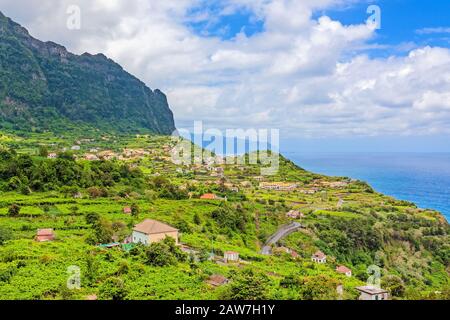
(421, 178)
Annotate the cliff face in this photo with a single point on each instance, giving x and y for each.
(43, 86)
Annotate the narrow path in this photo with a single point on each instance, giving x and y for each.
(280, 234)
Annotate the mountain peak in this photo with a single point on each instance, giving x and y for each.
(43, 86)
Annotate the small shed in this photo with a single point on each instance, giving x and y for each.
(372, 293)
(294, 214)
(344, 270)
(319, 257)
(44, 235)
(209, 196)
(231, 256)
(217, 280)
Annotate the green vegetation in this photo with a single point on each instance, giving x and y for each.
(84, 201)
(45, 87)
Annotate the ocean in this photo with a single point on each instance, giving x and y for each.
(422, 178)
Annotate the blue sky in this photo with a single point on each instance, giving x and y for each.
(402, 22)
(225, 25)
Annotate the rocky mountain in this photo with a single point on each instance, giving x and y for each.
(45, 87)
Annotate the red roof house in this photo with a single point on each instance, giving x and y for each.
(344, 270)
(43, 235)
(208, 196)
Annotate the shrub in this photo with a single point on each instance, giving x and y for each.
(113, 289)
(248, 285)
(14, 210)
(319, 288)
(164, 253)
(5, 235)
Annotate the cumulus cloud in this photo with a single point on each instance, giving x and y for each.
(303, 75)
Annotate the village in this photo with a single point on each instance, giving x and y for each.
(209, 210)
(152, 231)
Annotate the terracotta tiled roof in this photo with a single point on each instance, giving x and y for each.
(45, 232)
(343, 269)
(209, 196)
(127, 210)
(320, 255)
(150, 226)
(371, 290)
(217, 280)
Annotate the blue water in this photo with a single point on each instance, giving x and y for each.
(422, 178)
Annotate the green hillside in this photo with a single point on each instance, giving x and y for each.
(83, 202)
(45, 87)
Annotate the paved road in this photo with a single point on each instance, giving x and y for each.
(280, 234)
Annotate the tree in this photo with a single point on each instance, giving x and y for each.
(393, 284)
(291, 281)
(69, 191)
(14, 210)
(92, 218)
(14, 183)
(183, 226)
(43, 151)
(94, 192)
(319, 288)
(229, 218)
(197, 219)
(103, 231)
(135, 210)
(5, 235)
(249, 285)
(164, 253)
(113, 289)
(91, 268)
(65, 293)
(67, 155)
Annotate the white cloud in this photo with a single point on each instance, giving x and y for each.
(295, 75)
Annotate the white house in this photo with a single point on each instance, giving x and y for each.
(344, 270)
(294, 214)
(150, 231)
(319, 257)
(231, 256)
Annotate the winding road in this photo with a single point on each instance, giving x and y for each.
(280, 234)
